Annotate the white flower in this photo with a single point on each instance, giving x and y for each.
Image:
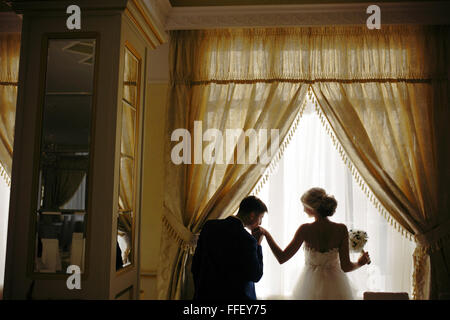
(357, 239)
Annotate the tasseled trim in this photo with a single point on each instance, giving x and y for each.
(435, 246)
(183, 244)
(355, 173)
(5, 175)
(420, 254)
(273, 165)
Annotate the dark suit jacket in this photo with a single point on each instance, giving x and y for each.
(227, 262)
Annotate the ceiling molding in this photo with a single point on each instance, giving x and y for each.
(146, 22)
(185, 18)
(159, 8)
(49, 6)
(209, 3)
(155, 14)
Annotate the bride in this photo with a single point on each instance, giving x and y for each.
(326, 248)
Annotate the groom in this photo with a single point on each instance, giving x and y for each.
(228, 259)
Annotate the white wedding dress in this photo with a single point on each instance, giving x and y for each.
(322, 278)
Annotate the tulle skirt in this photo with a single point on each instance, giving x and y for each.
(323, 283)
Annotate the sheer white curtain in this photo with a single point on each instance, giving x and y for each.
(4, 212)
(311, 160)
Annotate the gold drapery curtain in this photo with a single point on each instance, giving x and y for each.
(67, 184)
(397, 143)
(68, 179)
(62, 179)
(126, 186)
(402, 65)
(9, 75)
(197, 192)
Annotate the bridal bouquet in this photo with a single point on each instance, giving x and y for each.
(357, 239)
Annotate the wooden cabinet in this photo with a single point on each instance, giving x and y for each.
(76, 177)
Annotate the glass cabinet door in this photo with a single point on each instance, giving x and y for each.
(128, 151)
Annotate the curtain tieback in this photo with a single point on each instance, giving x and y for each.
(427, 243)
(186, 239)
(433, 238)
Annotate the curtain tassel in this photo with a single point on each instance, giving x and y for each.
(271, 168)
(5, 175)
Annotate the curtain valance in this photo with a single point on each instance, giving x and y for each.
(394, 53)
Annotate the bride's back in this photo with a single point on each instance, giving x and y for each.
(323, 235)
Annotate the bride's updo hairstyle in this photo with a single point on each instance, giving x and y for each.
(317, 199)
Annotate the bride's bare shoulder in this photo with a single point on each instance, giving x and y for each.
(343, 232)
(340, 226)
(304, 228)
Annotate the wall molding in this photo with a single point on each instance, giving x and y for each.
(148, 274)
(182, 18)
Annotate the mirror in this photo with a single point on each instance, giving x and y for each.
(61, 216)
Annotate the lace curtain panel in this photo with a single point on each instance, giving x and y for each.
(368, 83)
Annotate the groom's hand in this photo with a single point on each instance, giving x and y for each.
(258, 234)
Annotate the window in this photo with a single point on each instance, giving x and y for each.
(311, 160)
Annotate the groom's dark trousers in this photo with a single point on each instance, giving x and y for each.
(227, 262)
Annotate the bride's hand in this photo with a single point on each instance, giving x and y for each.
(364, 258)
(258, 234)
(263, 231)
